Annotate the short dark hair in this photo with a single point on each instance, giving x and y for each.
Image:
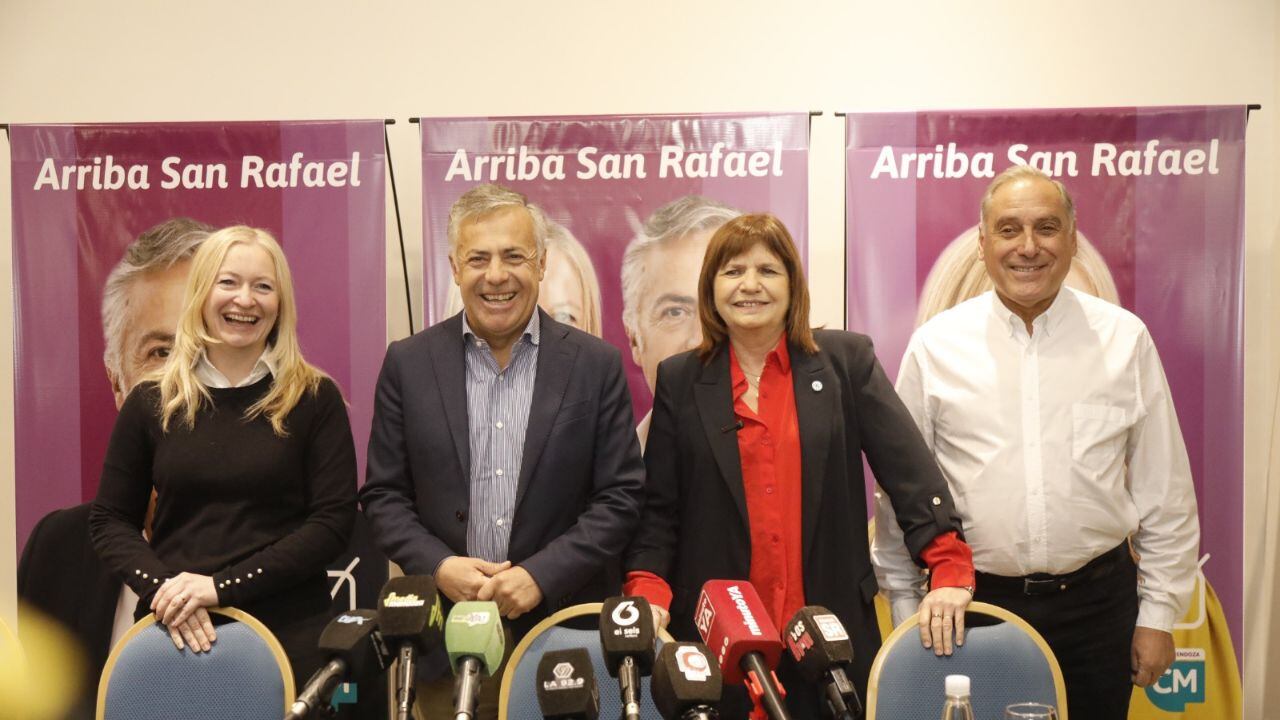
(733, 239)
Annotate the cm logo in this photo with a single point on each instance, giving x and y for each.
(1181, 684)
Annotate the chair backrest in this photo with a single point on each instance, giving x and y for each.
(245, 674)
(518, 699)
(1007, 662)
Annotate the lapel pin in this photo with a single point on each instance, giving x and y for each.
(817, 386)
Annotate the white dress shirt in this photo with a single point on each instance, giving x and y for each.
(210, 376)
(1057, 445)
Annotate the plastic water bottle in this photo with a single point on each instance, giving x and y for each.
(957, 706)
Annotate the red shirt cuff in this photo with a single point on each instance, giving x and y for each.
(950, 561)
(648, 586)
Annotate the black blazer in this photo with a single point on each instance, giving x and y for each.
(695, 524)
(581, 484)
(61, 576)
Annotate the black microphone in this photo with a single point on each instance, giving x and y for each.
(355, 648)
(822, 651)
(735, 427)
(686, 682)
(566, 686)
(410, 619)
(626, 636)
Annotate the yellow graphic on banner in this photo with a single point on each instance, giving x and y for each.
(1204, 682)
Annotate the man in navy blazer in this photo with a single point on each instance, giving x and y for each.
(503, 459)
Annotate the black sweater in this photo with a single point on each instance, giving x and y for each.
(260, 513)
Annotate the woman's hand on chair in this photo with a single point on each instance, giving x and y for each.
(942, 613)
(181, 595)
(196, 632)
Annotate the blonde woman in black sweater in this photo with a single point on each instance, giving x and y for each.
(249, 449)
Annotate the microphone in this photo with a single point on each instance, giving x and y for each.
(355, 646)
(735, 427)
(686, 684)
(411, 620)
(730, 616)
(822, 651)
(626, 636)
(475, 641)
(566, 686)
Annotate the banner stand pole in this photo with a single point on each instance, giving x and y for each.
(395, 199)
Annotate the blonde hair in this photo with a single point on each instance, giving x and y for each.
(559, 238)
(959, 274)
(180, 391)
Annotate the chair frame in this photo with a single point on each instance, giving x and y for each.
(549, 622)
(277, 650)
(910, 626)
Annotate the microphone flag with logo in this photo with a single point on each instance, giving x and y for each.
(411, 620)
(686, 682)
(821, 648)
(735, 625)
(626, 637)
(475, 642)
(566, 686)
(355, 650)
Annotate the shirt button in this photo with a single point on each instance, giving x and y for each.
(498, 424)
(498, 472)
(936, 501)
(461, 516)
(777, 538)
(769, 490)
(500, 522)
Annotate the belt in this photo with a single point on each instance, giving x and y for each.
(1045, 584)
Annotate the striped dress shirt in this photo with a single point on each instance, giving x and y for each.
(498, 401)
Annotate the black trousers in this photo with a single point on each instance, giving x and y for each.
(1089, 626)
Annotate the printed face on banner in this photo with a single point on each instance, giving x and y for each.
(152, 304)
(562, 293)
(666, 304)
(1027, 244)
(497, 269)
(243, 304)
(753, 293)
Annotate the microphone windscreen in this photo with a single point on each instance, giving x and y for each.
(474, 629)
(684, 677)
(566, 685)
(626, 630)
(733, 621)
(409, 611)
(353, 637)
(817, 641)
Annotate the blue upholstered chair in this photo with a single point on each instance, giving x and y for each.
(518, 699)
(245, 675)
(1007, 662)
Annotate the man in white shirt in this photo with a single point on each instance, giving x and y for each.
(1048, 411)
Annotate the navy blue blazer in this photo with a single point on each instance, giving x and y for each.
(581, 485)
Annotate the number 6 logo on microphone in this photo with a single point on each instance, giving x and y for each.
(626, 613)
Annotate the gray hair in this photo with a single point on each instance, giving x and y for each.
(1023, 172)
(482, 200)
(674, 220)
(159, 248)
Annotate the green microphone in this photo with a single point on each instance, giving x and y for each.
(475, 641)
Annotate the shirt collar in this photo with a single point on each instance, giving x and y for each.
(532, 329)
(210, 376)
(1045, 322)
(779, 356)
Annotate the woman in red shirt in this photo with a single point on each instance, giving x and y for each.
(754, 463)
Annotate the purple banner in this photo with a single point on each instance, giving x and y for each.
(82, 194)
(657, 184)
(1159, 193)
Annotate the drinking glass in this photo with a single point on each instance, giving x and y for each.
(1030, 711)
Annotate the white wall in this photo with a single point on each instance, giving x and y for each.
(237, 60)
